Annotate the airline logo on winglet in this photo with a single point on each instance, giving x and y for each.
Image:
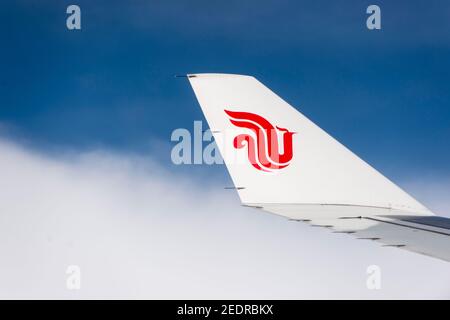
(263, 146)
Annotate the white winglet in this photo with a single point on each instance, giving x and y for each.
(288, 159)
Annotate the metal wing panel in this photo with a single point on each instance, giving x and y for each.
(427, 235)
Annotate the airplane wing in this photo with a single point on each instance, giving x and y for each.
(283, 163)
(427, 235)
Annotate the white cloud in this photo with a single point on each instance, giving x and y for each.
(139, 231)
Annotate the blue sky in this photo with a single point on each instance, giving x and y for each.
(384, 94)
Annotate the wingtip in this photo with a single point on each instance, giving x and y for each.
(214, 75)
(185, 76)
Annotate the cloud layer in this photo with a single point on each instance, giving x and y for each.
(137, 230)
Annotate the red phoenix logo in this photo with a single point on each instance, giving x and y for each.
(264, 152)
